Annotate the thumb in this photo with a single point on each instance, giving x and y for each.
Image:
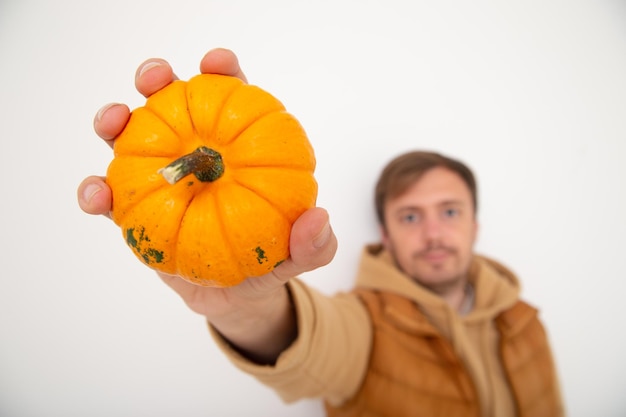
(313, 244)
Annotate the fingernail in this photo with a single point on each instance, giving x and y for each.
(89, 191)
(148, 66)
(103, 110)
(321, 239)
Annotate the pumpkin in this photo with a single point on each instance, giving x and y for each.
(207, 179)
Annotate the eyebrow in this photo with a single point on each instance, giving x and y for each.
(440, 204)
(452, 203)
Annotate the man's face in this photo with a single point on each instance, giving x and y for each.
(430, 229)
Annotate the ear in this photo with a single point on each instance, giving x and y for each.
(384, 236)
(476, 229)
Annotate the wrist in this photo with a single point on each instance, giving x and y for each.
(261, 329)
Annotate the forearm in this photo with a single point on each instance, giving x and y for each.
(329, 356)
(260, 330)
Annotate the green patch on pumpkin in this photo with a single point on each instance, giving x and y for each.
(260, 255)
(138, 242)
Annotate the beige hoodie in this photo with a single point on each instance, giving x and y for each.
(329, 357)
(473, 336)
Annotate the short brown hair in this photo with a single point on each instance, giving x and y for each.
(406, 169)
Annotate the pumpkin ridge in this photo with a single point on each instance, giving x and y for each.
(170, 127)
(175, 254)
(259, 114)
(224, 98)
(228, 244)
(120, 218)
(276, 207)
(151, 250)
(131, 141)
(256, 120)
(291, 167)
(193, 124)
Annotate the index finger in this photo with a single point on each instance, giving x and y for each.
(222, 61)
(152, 75)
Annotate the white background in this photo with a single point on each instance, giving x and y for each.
(531, 94)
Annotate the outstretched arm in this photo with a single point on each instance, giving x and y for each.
(255, 316)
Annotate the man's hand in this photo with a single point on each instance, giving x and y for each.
(94, 196)
(256, 315)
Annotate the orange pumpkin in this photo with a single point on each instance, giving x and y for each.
(208, 178)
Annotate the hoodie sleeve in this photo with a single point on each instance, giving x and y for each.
(329, 357)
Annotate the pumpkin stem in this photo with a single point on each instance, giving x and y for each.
(205, 163)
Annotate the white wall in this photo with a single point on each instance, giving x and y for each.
(531, 94)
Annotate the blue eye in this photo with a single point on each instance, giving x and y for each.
(410, 218)
(451, 212)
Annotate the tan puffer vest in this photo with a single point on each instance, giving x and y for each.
(414, 371)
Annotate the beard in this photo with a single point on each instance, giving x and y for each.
(437, 267)
(434, 251)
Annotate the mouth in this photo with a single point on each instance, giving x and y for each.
(435, 255)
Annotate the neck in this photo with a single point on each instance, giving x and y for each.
(458, 296)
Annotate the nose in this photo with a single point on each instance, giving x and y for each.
(432, 228)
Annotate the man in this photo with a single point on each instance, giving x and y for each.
(430, 329)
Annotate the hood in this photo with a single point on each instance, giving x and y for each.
(473, 336)
(495, 286)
